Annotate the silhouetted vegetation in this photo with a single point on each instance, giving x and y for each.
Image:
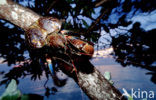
(132, 44)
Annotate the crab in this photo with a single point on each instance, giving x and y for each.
(83, 47)
(46, 33)
(37, 33)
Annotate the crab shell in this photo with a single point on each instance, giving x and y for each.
(84, 46)
(37, 33)
(35, 36)
(50, 24)
(56, 41)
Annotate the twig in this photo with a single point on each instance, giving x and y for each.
(101, 2)
(96, 21)
(51, 5)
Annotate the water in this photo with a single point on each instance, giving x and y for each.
(129, 78)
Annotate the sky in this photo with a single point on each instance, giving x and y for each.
(123, 77)
(147, 20)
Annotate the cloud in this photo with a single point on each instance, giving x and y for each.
(147, 20)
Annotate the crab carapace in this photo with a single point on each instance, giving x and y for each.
(45, 32)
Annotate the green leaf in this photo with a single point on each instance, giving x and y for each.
(111, 82)
(12, 86)
(107, 75)
(25, 97)
(11, 92)
(130, 98)
(13, 96)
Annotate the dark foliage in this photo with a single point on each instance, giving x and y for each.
(135, 47)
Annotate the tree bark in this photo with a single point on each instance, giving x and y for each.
(93, 83)
(17, 14)
(97, 87)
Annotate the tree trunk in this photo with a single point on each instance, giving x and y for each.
(92, 83)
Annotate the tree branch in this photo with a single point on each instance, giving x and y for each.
(97, 87)
(17, 14)
(92, 83)
(101, 2)
(96, 21)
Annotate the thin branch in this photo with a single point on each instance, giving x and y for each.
(96, 21)
(101, 2)
(51, 5)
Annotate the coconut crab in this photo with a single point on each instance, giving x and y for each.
(45, 39)
(83, 47)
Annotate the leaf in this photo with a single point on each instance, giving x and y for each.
(107, 75)
(13, 96)
(12, 86)
(111, 82)
(11, 92)
(25, 97)
(130, 98)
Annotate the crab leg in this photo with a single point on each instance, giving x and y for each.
(70, 64)
(74, 69)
